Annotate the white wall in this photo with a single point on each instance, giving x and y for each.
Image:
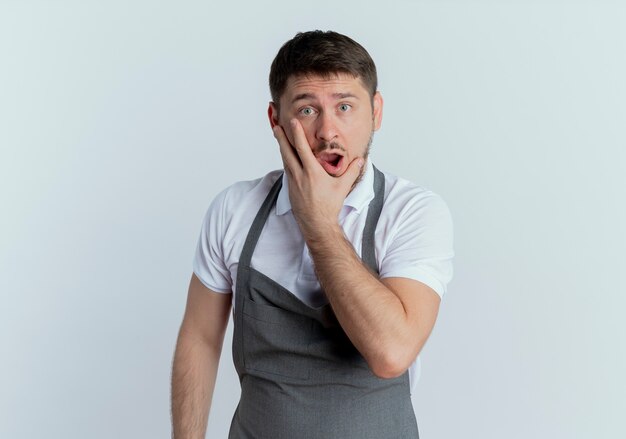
(119, 121)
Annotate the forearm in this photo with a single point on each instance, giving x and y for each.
(193, 380)
(372, 316)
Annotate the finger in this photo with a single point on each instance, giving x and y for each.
(352, 173)
(291, 162)
(302, 146)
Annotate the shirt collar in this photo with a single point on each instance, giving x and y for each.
(359, 198)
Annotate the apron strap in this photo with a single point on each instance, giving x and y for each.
(258, 223)
(368, 248)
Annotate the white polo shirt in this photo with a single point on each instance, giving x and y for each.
(413, 237)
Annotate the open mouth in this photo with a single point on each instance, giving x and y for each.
(332, 162)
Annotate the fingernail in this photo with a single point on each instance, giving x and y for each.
(292, 122)
(361, 161)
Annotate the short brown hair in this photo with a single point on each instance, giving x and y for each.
(324, 54)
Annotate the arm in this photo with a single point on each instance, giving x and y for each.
(387, 320)
(196, 359)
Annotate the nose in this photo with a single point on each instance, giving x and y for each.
(326, 129)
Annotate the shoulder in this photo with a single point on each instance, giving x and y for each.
(245, 194)
(404, 198)
(238, 202)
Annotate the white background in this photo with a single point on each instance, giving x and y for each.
(120, 120)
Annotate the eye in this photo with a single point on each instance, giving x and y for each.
(344, 107)
(307, 111)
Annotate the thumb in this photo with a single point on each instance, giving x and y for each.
(353, 172)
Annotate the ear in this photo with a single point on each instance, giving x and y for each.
(272, 114)
(377, 111)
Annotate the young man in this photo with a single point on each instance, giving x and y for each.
(336, 270)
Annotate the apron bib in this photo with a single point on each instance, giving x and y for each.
(300, 375)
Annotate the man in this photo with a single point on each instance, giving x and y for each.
(336, 268)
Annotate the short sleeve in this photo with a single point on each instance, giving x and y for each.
(421, 245)
(208, 263)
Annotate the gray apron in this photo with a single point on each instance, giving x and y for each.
(300, 375)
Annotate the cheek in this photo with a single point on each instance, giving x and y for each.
(360, 135)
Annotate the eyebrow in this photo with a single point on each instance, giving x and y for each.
(303, 96)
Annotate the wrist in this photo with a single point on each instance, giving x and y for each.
(323, 234)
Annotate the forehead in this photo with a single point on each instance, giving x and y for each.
(321, 86)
